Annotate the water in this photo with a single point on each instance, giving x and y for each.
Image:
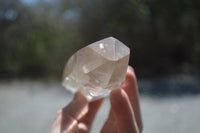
(30, 107)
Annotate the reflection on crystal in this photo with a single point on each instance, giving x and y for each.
(101, 46)
(97, 68)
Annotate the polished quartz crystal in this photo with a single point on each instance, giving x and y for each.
(97, 69)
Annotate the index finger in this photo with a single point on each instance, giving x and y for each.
(131, 88)
(73, 112)
(67, 118)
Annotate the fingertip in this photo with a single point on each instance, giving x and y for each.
(130, 79)
(118, 98)
(130, 69)
(130, 74)
(80, 97)
(114, 95)
(78, 107)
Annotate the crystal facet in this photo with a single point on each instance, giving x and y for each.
(97, 68)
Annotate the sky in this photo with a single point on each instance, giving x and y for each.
(33, 2)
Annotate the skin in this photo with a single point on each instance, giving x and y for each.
(124, 116)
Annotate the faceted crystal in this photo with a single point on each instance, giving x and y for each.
(97, 68)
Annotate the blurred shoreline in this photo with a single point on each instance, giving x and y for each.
(170, 85)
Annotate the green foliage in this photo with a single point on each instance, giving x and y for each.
(163, 35)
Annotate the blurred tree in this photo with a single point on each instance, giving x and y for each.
(161, 34)
(33, 45)
(37, 39)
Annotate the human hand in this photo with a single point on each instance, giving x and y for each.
(124, 116)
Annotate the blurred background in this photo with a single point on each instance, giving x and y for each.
(38, 36)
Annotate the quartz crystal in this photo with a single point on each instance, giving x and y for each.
(97, 69)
